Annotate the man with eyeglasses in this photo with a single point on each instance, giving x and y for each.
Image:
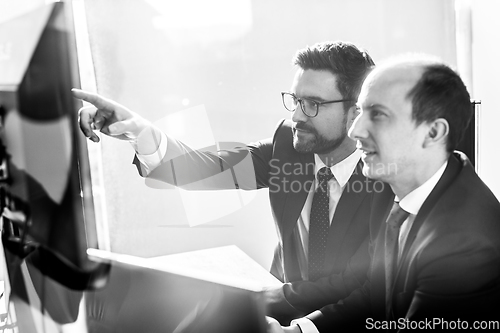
(320, 199)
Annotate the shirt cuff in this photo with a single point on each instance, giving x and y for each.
(305, 324)
(151, 161)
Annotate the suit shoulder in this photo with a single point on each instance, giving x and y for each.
(469, 189)
(283, 130)
(467, 206)
(283, 136)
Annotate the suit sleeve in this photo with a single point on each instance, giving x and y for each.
(350, 314)
(231, 165)
(458, 277)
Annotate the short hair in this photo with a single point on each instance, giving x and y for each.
(441, 93)
(349, 63)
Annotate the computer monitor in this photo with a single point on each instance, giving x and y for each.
(46, 178)
(143, 295)
(45, 195)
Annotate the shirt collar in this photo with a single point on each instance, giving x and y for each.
(414, 200)
(343, 170)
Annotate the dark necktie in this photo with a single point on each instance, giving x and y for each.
(319, 223)
(394, 222)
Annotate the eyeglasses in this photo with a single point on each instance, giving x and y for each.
(309, 107)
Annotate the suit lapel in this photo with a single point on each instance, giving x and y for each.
(452, 170)
(348, 204)
(296, 192)
(292, 204)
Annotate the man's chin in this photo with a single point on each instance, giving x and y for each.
(312, 149)
(303, 149)
(373, 171)
(367, 172)
(315, 145)
(302, 146)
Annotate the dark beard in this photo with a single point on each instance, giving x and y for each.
(318, 145)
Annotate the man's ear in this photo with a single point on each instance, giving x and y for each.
(437, 133)
(352, 114)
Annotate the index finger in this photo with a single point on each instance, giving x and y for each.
(93, 98)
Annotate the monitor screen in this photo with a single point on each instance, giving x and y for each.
(46, 178)
(45, 195)
(150, 296)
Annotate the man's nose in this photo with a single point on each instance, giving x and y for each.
(298, 115)
(358, 128)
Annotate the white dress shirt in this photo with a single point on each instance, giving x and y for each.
(151, 161)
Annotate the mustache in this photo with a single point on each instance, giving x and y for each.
(305, 127)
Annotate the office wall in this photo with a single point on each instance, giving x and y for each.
(486, 74)
(12, 8)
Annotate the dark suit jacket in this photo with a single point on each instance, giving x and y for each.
(276, 165)
(450, 267)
